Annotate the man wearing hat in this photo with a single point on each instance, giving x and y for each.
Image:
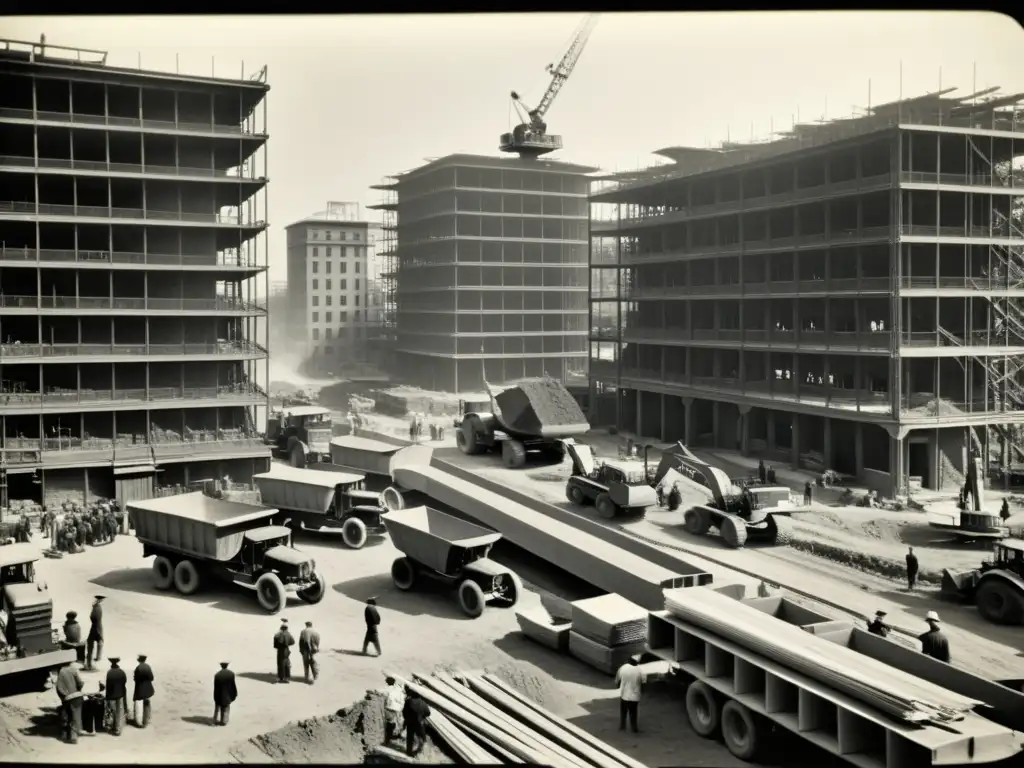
(94, 642)
(309, 647)
(69, 691)
(283, 642)
(144, 691)
(415, 713)
(878, 625)
(224, 694)
(934, 642)
(117, 696)
(372, 618)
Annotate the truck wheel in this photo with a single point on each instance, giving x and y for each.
(696, 521)
(513, 454)
(999, 603)
(702, 709)
(460, 440)
(186, 577)
(392, 499)
(468, 443)
(270, 593)
(605, 506)
(163, 573)
(314, 593)
(783, 527)
(403, 573)
(471, 598)
(734, 532)
(576, 495)
(740, 731)
(509, 588)
(353, 533)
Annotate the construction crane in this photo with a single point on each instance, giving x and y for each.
(530, 138)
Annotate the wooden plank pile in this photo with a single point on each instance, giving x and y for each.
(484, 721)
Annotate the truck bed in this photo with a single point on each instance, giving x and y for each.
(302, 490)
(200, 508)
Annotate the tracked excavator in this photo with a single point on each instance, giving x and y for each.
(752, 513)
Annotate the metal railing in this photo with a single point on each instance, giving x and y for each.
(125, 350)
(74, 164)
(942, 337)
(128, 122)
(219, 304)
(838, 285)
(63, 398)
(53, 255)
(64, 450)
(969, 283)
(878, 340)
(934, 230)
(104, 212)
(955, 179)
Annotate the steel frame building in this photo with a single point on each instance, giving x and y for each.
(850, 297)
(485, 270)
(133, 217)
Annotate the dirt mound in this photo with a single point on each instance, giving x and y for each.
(11, 742)
(532, 405)
(880, 529)
(541, 690)
(345, 737)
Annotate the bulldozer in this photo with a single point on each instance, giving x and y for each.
(614, 487)
(996, 588)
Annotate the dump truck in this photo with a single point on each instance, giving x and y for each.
(195, 538)
(614, 487)
(300, 434)
(31, 647)
(530, 416)
(997, 587)
(454, 552)
(755, 512)
(332, 503)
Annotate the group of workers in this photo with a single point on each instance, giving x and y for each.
(405, 709)
(72, 528)
(934, 642)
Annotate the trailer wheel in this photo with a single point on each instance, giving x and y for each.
(740, 731)
(508, 588)
(702, 709)
(186, 577)
(734, 532)
(353, 533)
(315, 592)
(513, 453)
(605, 506)
(696, 521)
(403, 573)
(270, 593)
(783, 530)
(471, 598)
(575, 495)
(999, 603)
(163, 573)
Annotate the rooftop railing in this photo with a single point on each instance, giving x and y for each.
(240, 173)
(20, 350)
(104, 212)
(80, 118)
(219, 259)
(64, 398)
(219, 304)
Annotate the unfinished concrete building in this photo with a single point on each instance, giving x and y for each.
(850, 296)
(486, 268)
(133, 223)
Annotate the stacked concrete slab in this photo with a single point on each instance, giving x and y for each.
(607, 631)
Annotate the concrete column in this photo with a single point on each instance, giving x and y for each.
(663, 437)
(794, 448)
(858, 448)
(715, 424)
(770, 419)
(827, 442)
(897, 462)
(745, 430)
(689, 428)
(639, 413)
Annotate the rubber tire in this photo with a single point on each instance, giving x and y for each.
(163, 573)
(471, 447)
(513, 454)
(606, 508)
(186, 578)
(270, 593)
(460, 440)
(696, 522)
(734, 532)
(517, 590)
(471, 599)
(575, 495)
(999, 603)
(403, 573)
(392, 499)
(353, 533)
(783, 527)
(316, 592)
(740, 731)
(702, 709)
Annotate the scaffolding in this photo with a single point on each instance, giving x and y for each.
(388, 255)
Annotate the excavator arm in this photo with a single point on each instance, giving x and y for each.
(696, 472)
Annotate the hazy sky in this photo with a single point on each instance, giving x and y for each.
(354, 98)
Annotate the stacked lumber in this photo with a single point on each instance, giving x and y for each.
(484, 721)
(540, 626)
(898, 694)
(607, 631)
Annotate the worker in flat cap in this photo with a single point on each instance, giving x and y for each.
(283, 642)
(94, 642)
(934, 642)
(69, 690)
(224, 694)
(309, 647)
(372, 618)
(143, 692)
(117, 696)
(878, 626)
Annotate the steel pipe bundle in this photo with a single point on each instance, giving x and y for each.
(889, 690)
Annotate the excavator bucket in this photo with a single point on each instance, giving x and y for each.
(583, 462)
(538, 408)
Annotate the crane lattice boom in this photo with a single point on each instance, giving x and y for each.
(561, 72)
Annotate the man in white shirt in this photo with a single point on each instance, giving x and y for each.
(630, 679)
(394, 702)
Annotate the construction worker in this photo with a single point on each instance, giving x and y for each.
(630, 679)
(224, 694)
(283, 642)
(934, 642)
(807, 494)
(1004, 509)
(415, 712)
(912, 569)
(144, 691)
(309, 647)
(69, 690)
(117, 696)
(372, 618)
(660, 491)
(94, 642)
(762, 473)
(394, 703)
(877, 626)
(675, 498)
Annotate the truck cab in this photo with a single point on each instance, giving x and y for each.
(269, 549)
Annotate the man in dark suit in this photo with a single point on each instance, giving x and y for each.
(144, 691)
(372, 618)
(117, 696)
(224, 694)
(309, 647)
(283, 642)
(94, 642)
